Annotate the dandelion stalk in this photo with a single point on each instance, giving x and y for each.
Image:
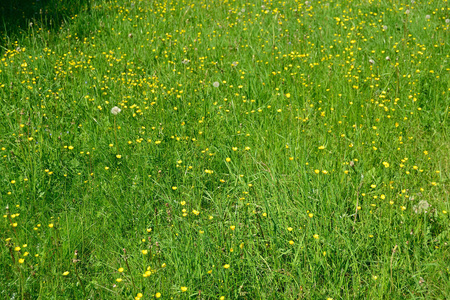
(115, 110)
(392, 258)
(75, 260)
(115, 136)
(259, 225)
(129, 269)
(357, 199)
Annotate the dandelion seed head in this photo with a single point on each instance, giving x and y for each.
(115, 110)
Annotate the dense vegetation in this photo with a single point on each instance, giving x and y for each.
(225, 150)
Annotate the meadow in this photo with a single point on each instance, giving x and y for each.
(225, 149)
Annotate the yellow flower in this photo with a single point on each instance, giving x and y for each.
(144, 252)
(120, 270)
(158, 295)
(227, 159)
(310, 215)
(184, 289)
(316, 236)
(291, 242)
(289, 228)
(50, 225)
(232, 227)
(119, 279)
(174, 188)
(147, 274)
(119, 156)
(66, 273)
(21, 260)
(321, 147)
(226, 266)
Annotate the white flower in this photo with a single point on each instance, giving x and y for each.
(427, 17)
(388, 58)
(447, 21)
(216, 84)
(371, 61)
(384, 27)
(115, 110)
(422, 207)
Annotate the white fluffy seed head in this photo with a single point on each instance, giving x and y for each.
(115, 110)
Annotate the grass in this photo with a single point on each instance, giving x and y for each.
(263, 150)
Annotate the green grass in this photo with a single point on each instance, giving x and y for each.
(264, 150)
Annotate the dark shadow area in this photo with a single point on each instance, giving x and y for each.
(16, 16)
